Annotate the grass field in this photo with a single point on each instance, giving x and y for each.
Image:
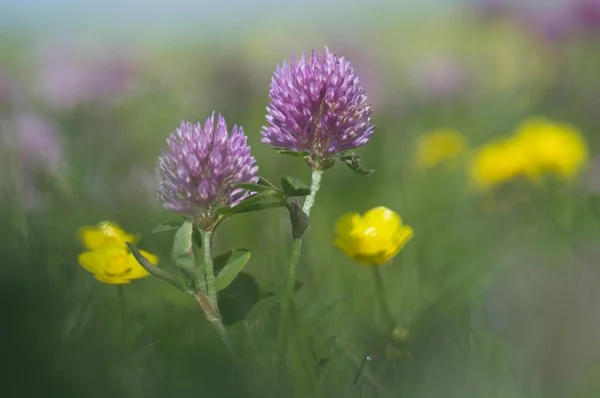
(495, 295)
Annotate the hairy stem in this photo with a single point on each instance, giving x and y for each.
(286, 307)
(314, 188)
(210, 306)
(209, 273)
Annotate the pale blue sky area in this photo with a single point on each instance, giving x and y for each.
(153, 20)
(61, 16)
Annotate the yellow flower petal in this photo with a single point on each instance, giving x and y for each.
(92, 261)
(382, 219)
(114, 264)
(375, 238)
(137, 271)
(104, 234)
(344, 228)
(111, 280)
(440, 146)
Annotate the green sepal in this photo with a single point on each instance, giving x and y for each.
(230, 264)
(167, 227)
(352, 160)
(154, 270)
(293, 186)
(183, 254)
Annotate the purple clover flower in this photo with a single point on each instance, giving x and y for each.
(441, 77)
(39, 144)
(587, 13)
(200, 167)
(553, 25)
(69, 78)
(317, 106)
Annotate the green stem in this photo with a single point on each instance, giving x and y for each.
(381, 294)
(209, 273)
(314, 188)
(212, 309)
(220, 328)
(286, 307)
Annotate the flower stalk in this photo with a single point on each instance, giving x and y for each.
(209, 273)
(287, 303)
(382, 298)
(208, 300)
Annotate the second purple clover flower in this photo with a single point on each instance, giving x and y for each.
(317, 107)
(200, 167)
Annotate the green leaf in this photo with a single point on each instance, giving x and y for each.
(295, 154)
(166, 227)
(293, 186)
(265, 182)
(230, 264)
(298, 219)
(154, 270)
(254, 187)
(183, 255)
(259, 206)
(322, 311)
(260, 201)
(236, 301)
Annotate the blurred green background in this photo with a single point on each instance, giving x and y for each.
(498, 293)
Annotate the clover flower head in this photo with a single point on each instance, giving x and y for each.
(317, 106)
(374, 238)
(587, 13)
(200, 167)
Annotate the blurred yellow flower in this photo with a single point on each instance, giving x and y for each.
(103, 234)
(557, 148)
(374, 238)
(440, 146)
(537, 146)
(115, 264)
(498, 162)
(108, 258)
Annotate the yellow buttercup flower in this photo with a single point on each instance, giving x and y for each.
(108, 257)
(103, 234)
(372, 239)
(538, 146)
(440, 146)
(497, 163)
(115, 264)
(556, 148)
